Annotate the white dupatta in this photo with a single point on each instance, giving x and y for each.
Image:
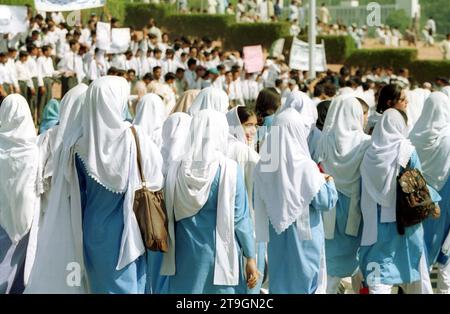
(388, 151)
(431, 137)
(341, 150)
(18, 166)
(188, 186)
(283, 192)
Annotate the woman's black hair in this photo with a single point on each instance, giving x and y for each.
(267, 103)
(364, 104)
(388, 97)
(244, 113)
(322, 110)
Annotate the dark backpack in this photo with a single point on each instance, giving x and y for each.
(414, 203)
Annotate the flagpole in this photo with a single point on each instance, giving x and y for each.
(312, 38)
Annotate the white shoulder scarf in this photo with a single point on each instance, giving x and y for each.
(19, 158)
(431, 137)
(388, 151)
(188, 187)
(341, 150)
(286, 179)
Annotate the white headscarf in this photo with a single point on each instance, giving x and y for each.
(388, 150)
(416, 101)
(305, 106)
(342, 148)
(100, 121)
(236, 130)
(446, 91)
(284, 192)
(18, 167)
(175, 132)
(74, 97)
(105, 143)
(50, 146)
(210, 98)
(150, 116)
(50, 141)
(344, 142)
(431, 137)
(188, 187)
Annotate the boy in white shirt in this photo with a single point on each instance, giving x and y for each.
(24, 78)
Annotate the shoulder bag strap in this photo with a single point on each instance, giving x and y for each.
(138, 154)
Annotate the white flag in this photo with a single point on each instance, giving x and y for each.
(120, 40)
(67, 5)
(299, 59)
(13, 19)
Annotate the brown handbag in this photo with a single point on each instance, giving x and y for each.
(414, 203)
(150, 210)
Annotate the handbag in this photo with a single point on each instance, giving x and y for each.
(414, 203)
(150, 211)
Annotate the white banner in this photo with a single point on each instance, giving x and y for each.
(13, 19)
(67, 5)
(120, 40)
(299, 59)
(103, 36)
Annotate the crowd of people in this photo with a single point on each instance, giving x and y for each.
(272, 182)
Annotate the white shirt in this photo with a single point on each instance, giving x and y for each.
(45, 69)
(4, 77)
(236, 91)
(293, 12)
(250, 89)
(190, 78)
(11, 69)
(73, 62)
(431, 24)
(119, 62)
(169, 65)
(23, 74)
(133, 64)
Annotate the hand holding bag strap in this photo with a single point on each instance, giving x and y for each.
(138, 154)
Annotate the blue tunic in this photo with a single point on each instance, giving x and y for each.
(342, 250)
(436, 230)
(394, 257)
(12, 263)
(294, 263)
(102, 233)
(156, 284)
(195, 245)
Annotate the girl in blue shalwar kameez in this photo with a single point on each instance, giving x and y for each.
(341, 150)
(205, 195)
(386, 257)
(106, 168)
(19, 158)
(242, 122)
(290, 192)
(431, 137)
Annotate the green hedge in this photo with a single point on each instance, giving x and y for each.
(138, 14)
(198, 25)
(428, 70)
(396, 58)
(239, 35)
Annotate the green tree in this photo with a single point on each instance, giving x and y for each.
(398, 19)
